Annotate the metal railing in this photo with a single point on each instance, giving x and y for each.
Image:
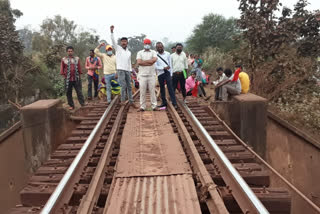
(255, 203)
(51, 203)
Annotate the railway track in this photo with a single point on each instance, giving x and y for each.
(240, 180)
(80, 175)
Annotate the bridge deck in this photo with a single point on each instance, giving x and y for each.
(152, 173)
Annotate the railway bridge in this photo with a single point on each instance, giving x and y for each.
(110, 159)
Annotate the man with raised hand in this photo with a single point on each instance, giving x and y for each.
(163, 66)
(109, 66)
(123, 61)
(146, 60)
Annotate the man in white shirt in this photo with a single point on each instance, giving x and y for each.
(123, 61)
(164, 71)
(179, 63)
(221, 77)
(146, 60)
(230, 86)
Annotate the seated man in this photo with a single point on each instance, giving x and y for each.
(245, 81)
(231, 86)
(221, 77)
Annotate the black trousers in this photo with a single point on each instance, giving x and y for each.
(78, 87)
(217, 90)
(178, 77)
(166, 77)
(203, 92)
(95, 84)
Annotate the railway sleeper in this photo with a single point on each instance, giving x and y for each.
(253, 178)
(276, 200)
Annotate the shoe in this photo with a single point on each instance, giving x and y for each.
(207, 98)
(141, 110)
(162, 105)
(175, 106)
(156, 109)
(186, 101)
(89, 98)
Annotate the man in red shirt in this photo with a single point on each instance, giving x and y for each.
(71, 70)
(93, 63)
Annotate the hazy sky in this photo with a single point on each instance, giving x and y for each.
(174, 19)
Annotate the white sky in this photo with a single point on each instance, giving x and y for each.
(174, 19)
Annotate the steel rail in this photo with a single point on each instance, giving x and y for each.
(290, 185)
(241, 191)
(52, 203)
(214, 201)
(90, 198)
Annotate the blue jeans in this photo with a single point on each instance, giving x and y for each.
(108, 78)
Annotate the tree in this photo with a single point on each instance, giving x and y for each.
(25, 36)
(215, 31)
(280, 52)
(267, 34)
(14, 66)
(59, 29)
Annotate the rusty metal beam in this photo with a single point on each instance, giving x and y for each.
(247, 200)
(214, 202)
(290, 185)
(89, 200)
(64, 190)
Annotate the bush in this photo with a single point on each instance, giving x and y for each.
(214, 58)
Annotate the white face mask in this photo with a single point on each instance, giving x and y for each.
(109, 53)
(147, 46)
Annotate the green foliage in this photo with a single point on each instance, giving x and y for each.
(14, 66)
(215, 58)
(215, 31)
(280, 54)
(58, 29)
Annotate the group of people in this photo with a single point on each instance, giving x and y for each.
(229, 83)
(168, 69)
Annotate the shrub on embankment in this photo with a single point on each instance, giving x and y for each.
(279, 53)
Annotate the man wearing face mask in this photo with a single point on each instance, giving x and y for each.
(109, 67)
(146, 60)
(164, 72)
(179, 63)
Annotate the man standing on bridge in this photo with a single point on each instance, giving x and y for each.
(164, 71)
(93, 63)
(179, 64)
(109, 67)
(71, 70)
(123, 61)
(146, 60)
